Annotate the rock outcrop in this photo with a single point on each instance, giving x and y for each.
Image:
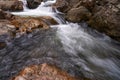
(43, 72)
(11, 5)
(102, 15)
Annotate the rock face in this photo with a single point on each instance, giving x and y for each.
(103, 15)
(11, 5)
(43, 72)
(32, 4)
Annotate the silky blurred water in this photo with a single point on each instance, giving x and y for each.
(74, 47)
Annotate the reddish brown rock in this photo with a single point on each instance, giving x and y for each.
(27, 24)
(11, 5)
(78, 14)
(49, 20)
(43, 72)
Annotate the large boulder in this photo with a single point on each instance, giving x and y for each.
(65, 5)
(28, 24)
(102, 15)
(43, 72)
(11, 5)
(32, 4)
(106, 17)
(78, 14)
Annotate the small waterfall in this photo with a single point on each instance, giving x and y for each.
(73, 47)
(42, 10)
(24, 5)
(96, 57)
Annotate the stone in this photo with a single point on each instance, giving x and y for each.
(49, 20)
(61, 5)
(6, 27)
(43, 72)
(78, 14)
(32, 4)
(5, 15)
(106, 19)
(11, 5)
(28, 24)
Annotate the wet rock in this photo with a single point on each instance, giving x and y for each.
(11, 5)
(49, 20)
(6, 27)
(43, 72)
(102, 15)
(78, 14)
(32, 4)
(79, 9)
(5, 15)
(106, 17)
(61, 5)
(28, 24)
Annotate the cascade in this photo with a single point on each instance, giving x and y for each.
(73, 47)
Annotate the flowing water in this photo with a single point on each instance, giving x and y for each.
(74, 47)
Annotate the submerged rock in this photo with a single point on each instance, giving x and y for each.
(11, 5)
(102, 15)
(43, 72)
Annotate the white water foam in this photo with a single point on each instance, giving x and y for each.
(41, 10)
(95, 56)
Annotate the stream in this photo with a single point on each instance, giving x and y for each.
(74, 47)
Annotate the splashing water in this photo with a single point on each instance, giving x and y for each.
(96, 57)
(73, 47)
